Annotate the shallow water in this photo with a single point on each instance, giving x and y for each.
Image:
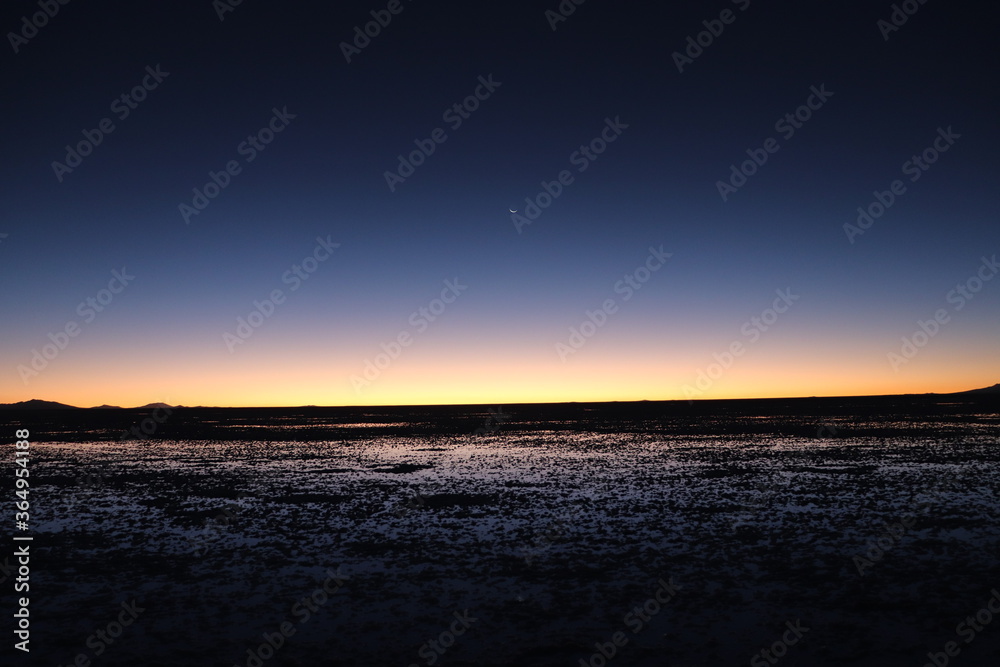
(549, 538)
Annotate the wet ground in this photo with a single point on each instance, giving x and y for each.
(522, 545)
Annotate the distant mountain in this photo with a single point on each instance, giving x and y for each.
(35, 404)
(995, 389)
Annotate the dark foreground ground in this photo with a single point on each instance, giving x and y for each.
(851, 532)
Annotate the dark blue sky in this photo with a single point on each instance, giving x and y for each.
(163, 336)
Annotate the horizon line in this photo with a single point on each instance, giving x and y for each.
(995, 388)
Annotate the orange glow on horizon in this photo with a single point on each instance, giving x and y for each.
(496, 385)
(287, 372)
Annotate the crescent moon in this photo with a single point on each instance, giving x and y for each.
(512, 210)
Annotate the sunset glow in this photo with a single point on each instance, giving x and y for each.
(275, 231)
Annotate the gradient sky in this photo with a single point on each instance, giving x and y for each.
(323, 176)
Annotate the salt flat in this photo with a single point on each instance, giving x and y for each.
(526, 545)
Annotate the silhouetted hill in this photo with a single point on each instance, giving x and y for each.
(35, 404)
(995, 389)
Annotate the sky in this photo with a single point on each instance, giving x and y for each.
(262, 204)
